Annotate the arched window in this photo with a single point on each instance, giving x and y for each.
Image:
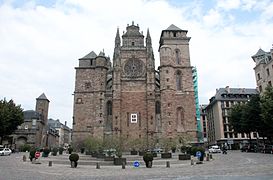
(180, 118)
(157, 107)
(178, 80)
(177, 56)
(109, 108)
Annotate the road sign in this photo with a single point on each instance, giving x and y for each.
(198, 154)
(136, 164)
(37, 154)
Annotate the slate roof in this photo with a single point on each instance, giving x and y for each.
(31, 114)
(91, 55)
(42, 97)
(172, 27)
(233, 94)
(260, 52)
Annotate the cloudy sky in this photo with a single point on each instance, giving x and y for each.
(42, 40)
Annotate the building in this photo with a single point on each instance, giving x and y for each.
(203, 122)
(263, 68)
(130, 98)
(219, 131)
(34, 131)
(63, 131)
(195, 86)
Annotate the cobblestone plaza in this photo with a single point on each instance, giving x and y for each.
(234, 165)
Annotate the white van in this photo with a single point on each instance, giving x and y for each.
(214, 149)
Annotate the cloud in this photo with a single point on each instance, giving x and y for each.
(41, 44)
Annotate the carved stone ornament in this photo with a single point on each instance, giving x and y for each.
(134, 68)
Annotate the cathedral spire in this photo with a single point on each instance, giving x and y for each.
(117, 39)
(148, 39)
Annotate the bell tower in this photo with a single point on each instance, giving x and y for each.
(176, 84)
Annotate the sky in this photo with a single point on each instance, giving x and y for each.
(42, 40)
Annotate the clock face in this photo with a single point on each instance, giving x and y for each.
(134, 68)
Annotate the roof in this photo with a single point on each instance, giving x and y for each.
(31, 114)
(172, 27)
(91, 55)
(42, 97)
(233, 93)
(260, 52)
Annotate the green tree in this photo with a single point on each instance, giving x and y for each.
(92, 144)
(267, 110)
(236, 118)
(11, 116)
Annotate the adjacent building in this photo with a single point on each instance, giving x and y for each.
(263, 69)
(63, 131)
(204, 122)
(34, 131)
(131, 99)
(219, 131)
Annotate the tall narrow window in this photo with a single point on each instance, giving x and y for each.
(178, 81)
(180, 118)
(177, 56)
(109, 108)
(157, 107)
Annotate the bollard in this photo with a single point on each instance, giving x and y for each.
(192, 161)
(24, 158)
(168, 164)
(123, 165)
(49, 163)
(98, 166)
(207, 157)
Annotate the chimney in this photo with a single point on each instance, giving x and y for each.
(227, 89)
(65, 123)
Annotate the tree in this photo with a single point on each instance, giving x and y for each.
(11, 116)
(236, 118)
(92, 144)
(267, 110)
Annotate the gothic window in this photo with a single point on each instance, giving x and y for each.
(178, 81)
(109, 108)
(180, 118)
(157, 107)
(177, 56)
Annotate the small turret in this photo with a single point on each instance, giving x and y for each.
(148, 39)
(117, 39)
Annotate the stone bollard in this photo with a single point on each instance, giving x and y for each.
(192, 161)
(98, 165)
(24, 158)
(123, 165)
(49, 163)
(168, 164)
(207, 157)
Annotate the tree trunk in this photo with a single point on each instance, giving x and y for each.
(1, 139)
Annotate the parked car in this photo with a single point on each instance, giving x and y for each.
(214, 149)
(249, 148)
(158, 150)
(268, 149)
(5, 151)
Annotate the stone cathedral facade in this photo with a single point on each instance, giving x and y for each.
(129, 98)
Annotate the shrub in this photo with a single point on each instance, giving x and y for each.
(25, 148)
(54, 151)
(32, 153)
(61, 149)
(70, 150)
(148, 159)
(46, 152)
(74, 157)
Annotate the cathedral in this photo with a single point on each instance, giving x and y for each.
(128, 97)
